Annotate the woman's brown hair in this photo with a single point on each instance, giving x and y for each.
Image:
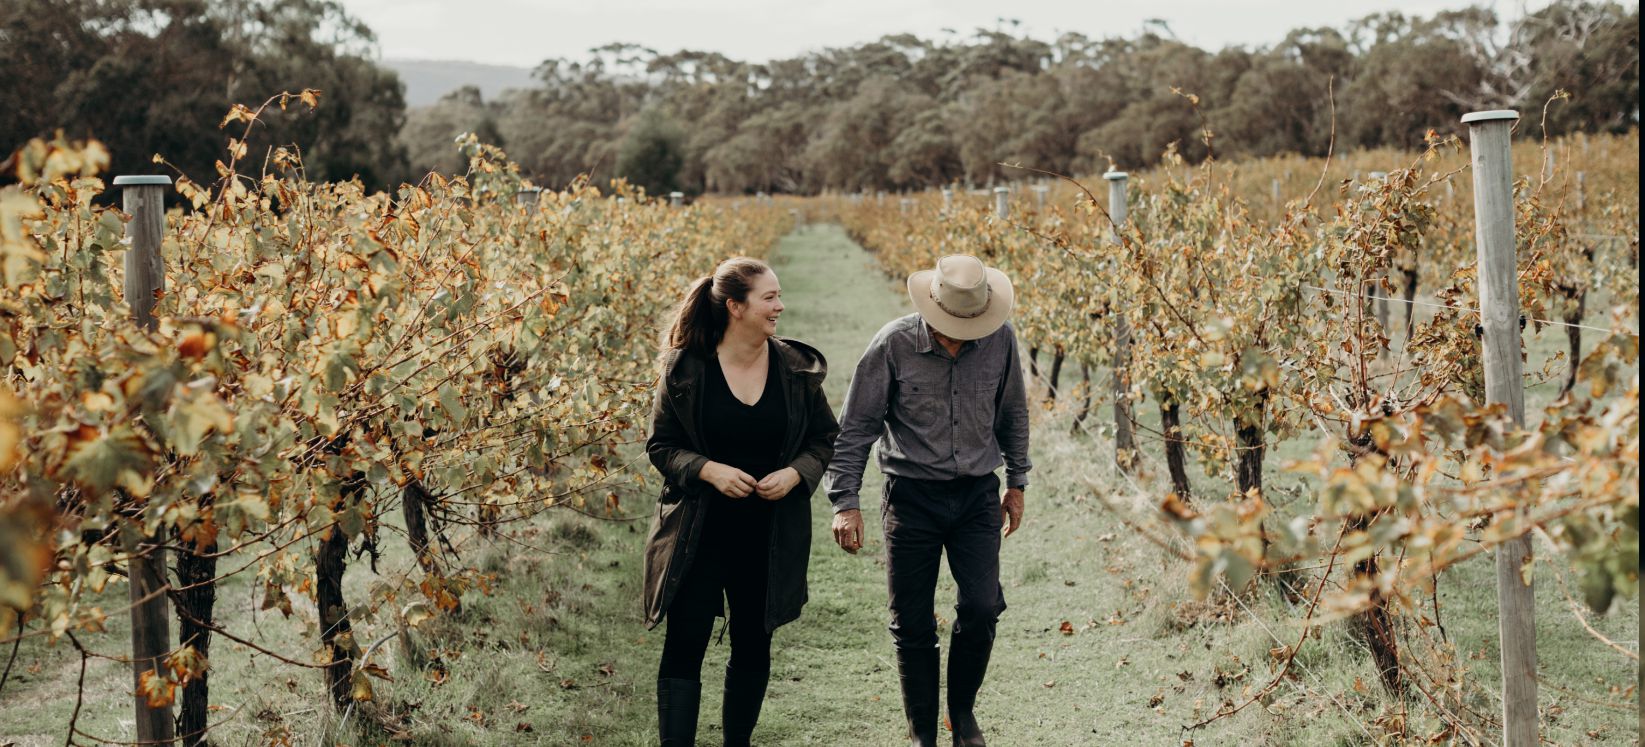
(701, 317)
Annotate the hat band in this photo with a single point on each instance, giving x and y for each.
(988, 297)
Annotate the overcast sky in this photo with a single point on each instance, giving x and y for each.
(525, 32)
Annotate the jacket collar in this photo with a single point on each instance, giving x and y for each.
(681, 369)
(800, 359)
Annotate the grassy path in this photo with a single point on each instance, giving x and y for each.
(1102, 643)
(1119, 669)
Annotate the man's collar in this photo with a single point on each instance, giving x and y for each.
(922, 337)
(925, 343)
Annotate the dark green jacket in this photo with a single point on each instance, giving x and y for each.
(677, 450)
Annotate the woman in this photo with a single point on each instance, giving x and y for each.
(741, 433)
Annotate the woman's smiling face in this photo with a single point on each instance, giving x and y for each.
(764, 305)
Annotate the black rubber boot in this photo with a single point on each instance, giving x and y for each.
(677, 702)
(967, 663)
(740, 711)
(918, 671)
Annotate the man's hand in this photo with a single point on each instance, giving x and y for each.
(727, 479)
(1011, 509)
(848, 530)
(777, 484)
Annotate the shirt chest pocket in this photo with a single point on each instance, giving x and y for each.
(979, 405)
(922, 401)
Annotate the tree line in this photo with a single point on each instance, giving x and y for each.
(904, 112)
(900, 112)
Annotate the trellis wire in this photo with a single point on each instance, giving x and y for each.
(1549, 322)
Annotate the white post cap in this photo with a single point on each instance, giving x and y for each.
(1490, 116)
(156, 180)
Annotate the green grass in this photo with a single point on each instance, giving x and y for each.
(557, 655)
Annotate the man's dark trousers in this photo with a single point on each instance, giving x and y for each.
(922, 519)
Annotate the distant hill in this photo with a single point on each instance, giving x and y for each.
(427, 80)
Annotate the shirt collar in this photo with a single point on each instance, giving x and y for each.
(925, 343)
(922, 337)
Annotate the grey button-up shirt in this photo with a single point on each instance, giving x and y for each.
(936, 417)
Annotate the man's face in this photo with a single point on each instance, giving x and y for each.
(942, 339)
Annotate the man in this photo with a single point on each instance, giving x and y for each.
(942, 391)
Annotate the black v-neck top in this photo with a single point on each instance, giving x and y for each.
(748, 437)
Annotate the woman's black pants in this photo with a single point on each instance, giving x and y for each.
(732, 563)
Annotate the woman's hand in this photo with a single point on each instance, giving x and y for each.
(777, 484)
(727, 479)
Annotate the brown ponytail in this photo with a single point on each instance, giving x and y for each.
(701, 318)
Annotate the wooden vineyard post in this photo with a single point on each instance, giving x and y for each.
(143, 198)
(1124, 443)
(1002, 202)
(947, 199)
(675, 199)
(527, 197)
(1488, 133)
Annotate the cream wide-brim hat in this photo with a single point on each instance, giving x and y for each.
(962, 298)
